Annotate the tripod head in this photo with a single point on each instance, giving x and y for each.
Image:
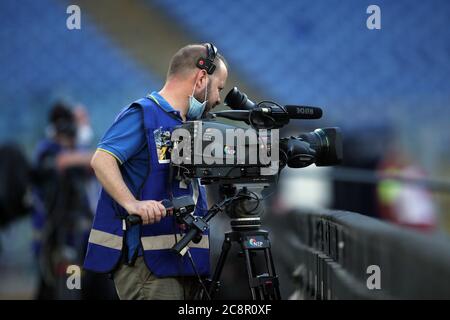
(244, 210)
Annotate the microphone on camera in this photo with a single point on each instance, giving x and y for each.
(237, 100)
(303, 112)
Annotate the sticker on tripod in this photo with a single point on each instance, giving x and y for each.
(163, 144)
(253, 242)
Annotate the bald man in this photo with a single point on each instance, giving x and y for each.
(132, 164)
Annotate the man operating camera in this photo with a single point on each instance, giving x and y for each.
(132, 164)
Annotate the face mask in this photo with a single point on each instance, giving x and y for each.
(85, 135)
(196, 108)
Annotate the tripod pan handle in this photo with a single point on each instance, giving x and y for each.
(179, 246)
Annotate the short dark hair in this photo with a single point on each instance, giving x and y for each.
(62, 119)
(60, 111)
(186, 59)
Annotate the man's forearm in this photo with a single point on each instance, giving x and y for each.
(108, 173)
(72, 159)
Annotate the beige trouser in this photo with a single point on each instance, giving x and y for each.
(138, 283)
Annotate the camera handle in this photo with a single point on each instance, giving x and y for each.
(198, 226)
(182, 208)
(178, 204)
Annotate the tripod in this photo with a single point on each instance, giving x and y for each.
(245, 223)
(252, 240)
(263, 286)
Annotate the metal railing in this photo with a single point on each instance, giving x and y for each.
(345, 255)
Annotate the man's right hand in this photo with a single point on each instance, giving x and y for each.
(108, 173)
(150, 211)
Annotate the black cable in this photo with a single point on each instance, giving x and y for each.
(180, 266)
(174, 227)
(189, 254)
(185, 173)
(252, 123)
(250, 120)
(198, 275)
(213, 208)
(245, 196)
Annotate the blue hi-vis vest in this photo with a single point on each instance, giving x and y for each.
(107, 237)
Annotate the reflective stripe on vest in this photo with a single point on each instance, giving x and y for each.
(162, 242)
(167, 241)
(105, 239)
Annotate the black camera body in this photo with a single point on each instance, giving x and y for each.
(221, 153)
(236, 157)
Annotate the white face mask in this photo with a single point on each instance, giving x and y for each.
(196, 107)
(85, 134)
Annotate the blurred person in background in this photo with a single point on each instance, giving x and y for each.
(61, 215)
(405, 203)
(15, 179)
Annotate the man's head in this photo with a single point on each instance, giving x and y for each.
(62, 123)
(197, 82)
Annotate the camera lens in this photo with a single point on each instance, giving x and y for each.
(327, 142)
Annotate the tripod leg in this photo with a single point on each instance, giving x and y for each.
(248, 263)
(215, 283)
(271, 269)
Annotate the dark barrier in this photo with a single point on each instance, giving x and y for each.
(15, 177)
(345, 255)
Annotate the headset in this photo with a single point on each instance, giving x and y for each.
(208, 62)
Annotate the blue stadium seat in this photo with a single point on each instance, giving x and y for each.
(41, 60)
(322, 51)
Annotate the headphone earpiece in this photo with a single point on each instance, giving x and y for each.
(208, 62)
